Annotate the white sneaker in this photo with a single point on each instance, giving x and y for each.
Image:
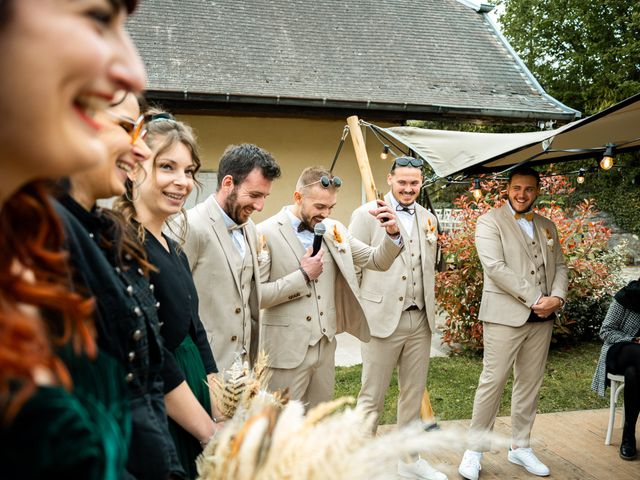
(527, 459)
(420, 470)
(470, 465)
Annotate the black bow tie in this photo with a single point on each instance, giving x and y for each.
(303, 226)
(404, 208)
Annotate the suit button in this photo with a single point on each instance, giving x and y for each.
(404, 277)
(131, 356)
(321, 313)
(324, 330)
(401, 298)
(316, 280)
(308, 318)
(532, 272)
(318, 297)
(238, 310)
(308, 295)
(137, 335)
(234, 338)
(410, 241)
(129, 377)
(533, 243)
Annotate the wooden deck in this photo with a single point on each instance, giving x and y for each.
(571, 444)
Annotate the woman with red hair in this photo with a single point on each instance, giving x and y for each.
(62, 61)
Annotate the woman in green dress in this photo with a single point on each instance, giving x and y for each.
(61, 62)
(158, 191)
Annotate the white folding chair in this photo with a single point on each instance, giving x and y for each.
(617, 384)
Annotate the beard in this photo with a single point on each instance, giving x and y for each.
(233, 209)
(309, 220)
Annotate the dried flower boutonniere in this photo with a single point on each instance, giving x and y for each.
(549, 238)
(337, 239)
(263, 249)
(430, 231)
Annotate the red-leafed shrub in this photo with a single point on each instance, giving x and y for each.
(594, 270)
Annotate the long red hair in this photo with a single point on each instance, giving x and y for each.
(34, 273)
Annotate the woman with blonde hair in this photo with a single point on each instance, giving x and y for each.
(155, 193)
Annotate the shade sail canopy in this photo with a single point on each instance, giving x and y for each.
(451, 152)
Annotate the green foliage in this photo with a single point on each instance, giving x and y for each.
(594, 272)
(585, 53)
(452, 383)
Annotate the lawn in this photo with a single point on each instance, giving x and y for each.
(452, 382)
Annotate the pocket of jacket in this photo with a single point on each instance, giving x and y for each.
(372, 297)
(275, 321)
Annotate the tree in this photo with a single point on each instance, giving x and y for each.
(585, 53)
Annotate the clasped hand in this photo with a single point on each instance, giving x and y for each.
(546, 306)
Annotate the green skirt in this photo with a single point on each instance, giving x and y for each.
(188, 447)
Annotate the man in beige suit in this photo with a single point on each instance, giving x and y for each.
(221, 247)
(308, 299)
(400, 306)
(525, 283)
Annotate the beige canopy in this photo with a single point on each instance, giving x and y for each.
(451, 152)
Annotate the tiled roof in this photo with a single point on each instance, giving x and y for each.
(412, 55)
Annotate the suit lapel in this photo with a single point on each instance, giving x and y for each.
(423, 226)
(403, 231)
(286, 229)
(222, 233)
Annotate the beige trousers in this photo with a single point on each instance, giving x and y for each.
(525, 350)
(313, 380)
(408, 347)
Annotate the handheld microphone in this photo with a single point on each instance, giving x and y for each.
(318, 231)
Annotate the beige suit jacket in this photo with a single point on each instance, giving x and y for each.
(381, 293)
(209, 247)
(284, 286)
(510, 289)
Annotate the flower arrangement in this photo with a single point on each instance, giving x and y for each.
(430, 231)
(263, 249)
(337, 239)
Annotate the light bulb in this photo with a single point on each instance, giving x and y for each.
(477, 189)
(580, 177)
(607, 160)
(385, 152)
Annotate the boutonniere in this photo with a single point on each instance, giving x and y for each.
(263, 250)
(430, 231)
(549, 238)
(337, 240)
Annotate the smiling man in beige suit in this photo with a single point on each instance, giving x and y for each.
(525, 283)
(308, 299)
(400, 306)
(221, 248)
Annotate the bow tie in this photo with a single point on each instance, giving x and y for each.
(404, 208)
(527, 216)
(302, 226)
(235, 226)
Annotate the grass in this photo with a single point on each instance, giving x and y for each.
(452, 383)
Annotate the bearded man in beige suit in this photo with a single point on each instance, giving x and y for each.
(400, 306)
(525, 283)
(308, 299)
(221, 245)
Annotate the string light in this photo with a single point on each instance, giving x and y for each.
(477, 189)
(580, 177)
(385, 152)
(607, 159)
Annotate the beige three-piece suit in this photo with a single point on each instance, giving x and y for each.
(300, 319)
(517, 271)
(400, 307)
(228, 290)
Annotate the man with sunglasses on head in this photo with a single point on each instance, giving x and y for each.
(221, 247)
(400, 306)
(309, 299)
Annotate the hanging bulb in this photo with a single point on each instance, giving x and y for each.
(580, 178)
(477, 189)
(607, 159)
(385, 152)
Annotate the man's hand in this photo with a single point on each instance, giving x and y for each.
(546, 306)
(387, 218)
(312, 265)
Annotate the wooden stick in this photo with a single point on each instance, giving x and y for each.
(426, 411)
(362, 158)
